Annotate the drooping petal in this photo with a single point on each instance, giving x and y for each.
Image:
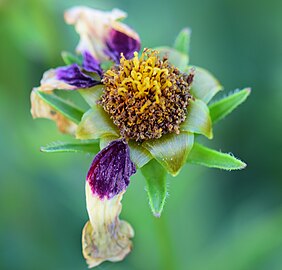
(90, 64)
(105, 237)
(41, 109)
(138, 154)
(110, 170)
(101, 33)
(63, 78)
(66, 78)
(73, 76)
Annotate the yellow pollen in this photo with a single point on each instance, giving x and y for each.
(142, 77)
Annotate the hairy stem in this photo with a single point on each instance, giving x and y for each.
(168, 260)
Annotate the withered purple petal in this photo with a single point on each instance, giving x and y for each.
(72, 75)
(110, 170)
(90, 64)
(119, 42)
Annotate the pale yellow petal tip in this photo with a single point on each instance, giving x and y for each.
(114, 246)
(40, 109)
(104, 236)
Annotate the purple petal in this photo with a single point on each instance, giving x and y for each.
(110, 170)
(90, 64)
(119, 42)
(72, 75)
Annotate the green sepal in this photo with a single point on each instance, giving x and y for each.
(104, 141)
(70, 58)
(225, 106)
(65, 108)
(171, 150)
(155, 176)
(205, 86)
(198, 119)
(93, 94)
(182, 41)
(205, 156)
(138, 154)
(96, 123)
(176, 58)
(106, 65)
(75, 147)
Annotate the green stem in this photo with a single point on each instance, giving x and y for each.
(168, 260)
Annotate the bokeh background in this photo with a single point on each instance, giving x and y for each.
(213, 220)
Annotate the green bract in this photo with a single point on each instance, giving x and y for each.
(168, 154)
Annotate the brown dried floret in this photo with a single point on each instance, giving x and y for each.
(146, 97)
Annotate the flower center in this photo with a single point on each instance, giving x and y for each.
(146, 97)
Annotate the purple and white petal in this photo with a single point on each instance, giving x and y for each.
(50, 81)
(110, 170)
(73, 76)
(95, 30)
(66, 78)
(90, 64)
(120, 42)
(105, 236)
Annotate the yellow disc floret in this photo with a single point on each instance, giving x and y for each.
(146, 97)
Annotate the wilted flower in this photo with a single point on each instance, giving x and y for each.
(145, 108)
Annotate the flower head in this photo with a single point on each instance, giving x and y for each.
(144, 110)
(146, 97)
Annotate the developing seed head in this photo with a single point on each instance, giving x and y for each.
(146, 97)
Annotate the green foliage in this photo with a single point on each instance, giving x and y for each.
(198, 119)
(95, 123)
(204, 156)
(75, 147)
(66, 108)
(171, 150)
(225, 106)
(182, 41)
(175, 57)
(105, 140)
(70, 58)
(92, 95)
(138, 154)
(107, 65)
(155, 176)
(205, 86)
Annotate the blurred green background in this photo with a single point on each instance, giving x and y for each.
(213, 220)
